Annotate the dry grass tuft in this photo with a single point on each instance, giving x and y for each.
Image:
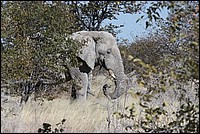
(88, 116)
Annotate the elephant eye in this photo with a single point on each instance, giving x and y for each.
(109, 51)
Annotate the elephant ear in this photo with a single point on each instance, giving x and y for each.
(87, 52)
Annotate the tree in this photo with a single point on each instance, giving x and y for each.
(33, 34)
(91, 14)
(33, 39)
(181, 29)
(176, 73)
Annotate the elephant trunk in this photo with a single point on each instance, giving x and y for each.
(120, 87)
(120, 83)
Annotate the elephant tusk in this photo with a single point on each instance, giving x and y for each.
(112, 74)
(90, 93)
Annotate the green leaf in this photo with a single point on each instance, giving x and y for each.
(193, 43)
(148, 117)
(155, 17)
(173, 39)
(147, 24)
(138, 20)
(157, 14)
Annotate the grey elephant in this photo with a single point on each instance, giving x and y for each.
(100, 49)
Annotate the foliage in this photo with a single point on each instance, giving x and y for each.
(47, 128)
(186, 120)
(175, 46)
(91, 14)
(34, 46)
(33, 40)
(182, 28)
(167, 70)
(150, 49)
(166, 104)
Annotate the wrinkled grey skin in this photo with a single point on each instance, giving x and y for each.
(100, 49)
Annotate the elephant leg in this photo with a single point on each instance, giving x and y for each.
(89, 82)
(85, 78)
(82, 78)
(84, 82)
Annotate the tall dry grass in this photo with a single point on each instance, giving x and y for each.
(97, 114)
(93, 115)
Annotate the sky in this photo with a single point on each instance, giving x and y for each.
(131, 28)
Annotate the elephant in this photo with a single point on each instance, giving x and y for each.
(100, 49)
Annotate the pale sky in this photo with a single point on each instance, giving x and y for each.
(131, 28)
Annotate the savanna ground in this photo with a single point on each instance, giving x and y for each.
(88, 116)
(97, 114)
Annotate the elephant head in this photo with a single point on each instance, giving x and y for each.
(101, 49)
